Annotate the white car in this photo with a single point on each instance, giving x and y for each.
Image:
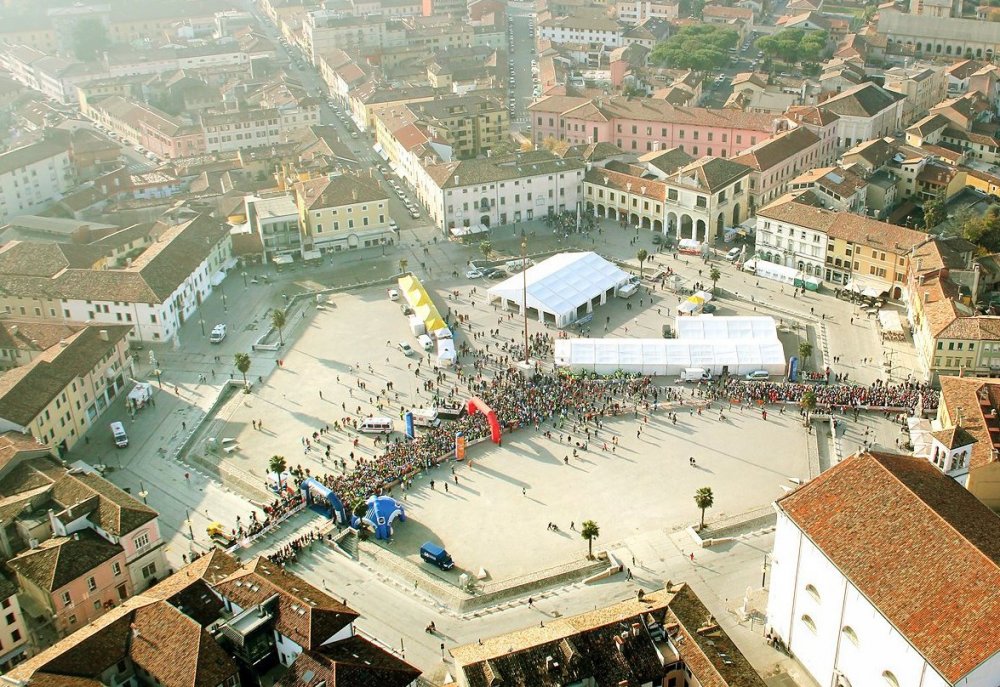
(473, 274)
(393, 295)
(415, 214)
(406, 348)
(218, 334)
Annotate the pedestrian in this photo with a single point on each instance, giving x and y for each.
(692, 556)
(572, 525)
(524, 492)
(184, 425)
(321, 394)
(531, 602)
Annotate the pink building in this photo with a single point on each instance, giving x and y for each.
(72, 580)
(645, 125)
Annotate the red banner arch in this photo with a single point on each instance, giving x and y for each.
(491, 416)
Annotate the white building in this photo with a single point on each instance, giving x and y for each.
(794, 234)
(865, 112)
(500, 190)
(160, 290)
(275, 219)
(582, 29)
(886, 573)
(32, 177)
(637, 11)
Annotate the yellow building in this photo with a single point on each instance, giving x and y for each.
(870, 253)
(62, 392)
(966, 445)
(472, 124)
(342, 212)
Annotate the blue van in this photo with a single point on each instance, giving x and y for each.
(432, 553)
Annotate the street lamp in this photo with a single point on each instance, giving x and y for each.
(763, 572)
(202, 323)
(244, 273)
(190, 529)
(222, 290)
(159, 381)
(142, 492)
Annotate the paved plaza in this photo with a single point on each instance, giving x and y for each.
(496, 515)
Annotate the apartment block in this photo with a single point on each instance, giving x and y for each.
(33, 177)
(342, 212)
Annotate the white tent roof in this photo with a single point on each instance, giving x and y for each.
(739, 328)
(669, 356)
(562, 283)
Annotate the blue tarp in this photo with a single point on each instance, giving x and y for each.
(314, 492)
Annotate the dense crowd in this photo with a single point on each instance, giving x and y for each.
(835, 396)
(289, 552)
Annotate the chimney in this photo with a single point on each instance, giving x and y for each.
(927, 297)
(103, 333)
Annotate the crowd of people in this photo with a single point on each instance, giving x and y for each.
(904, 396)
(289, 552)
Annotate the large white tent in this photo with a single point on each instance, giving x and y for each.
(670, 356)
(715, 328)
(563, 288)
(730, 345)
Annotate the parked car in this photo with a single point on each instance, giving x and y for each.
(473, 274)
(406, 348)
(758, 376)
(218, 334)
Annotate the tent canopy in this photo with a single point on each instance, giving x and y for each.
(741, 328)
(562, 283)
(669, 356)
(418, 299)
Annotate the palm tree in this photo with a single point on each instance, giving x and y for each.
(715, 275)
(805, 350)
(278, 322)
(277, 465)
(590, 531)
(704, 499)
(641, 257)
(486, 248)
(808, 403)
(242, 362)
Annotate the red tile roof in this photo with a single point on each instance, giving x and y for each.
(920, 547)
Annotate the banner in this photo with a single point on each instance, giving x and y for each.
(459, 446)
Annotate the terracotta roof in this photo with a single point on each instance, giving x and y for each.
(668, 161)
(57, 562)
(929, 124)
(335, 191)
(777, 150)
(351, 662)
(954, 437)
(788, 209)
(973, 398)
(863, 100)
(35, 335)
(873, 233)
(26, 391)
(626, 183)
(810, 114)
(13, 444)
(36, 259)
(898, 529)
(711, 173)
(305, 614)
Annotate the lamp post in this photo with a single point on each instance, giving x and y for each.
(763, 572)
(244, 273)
(159, 381)
(190, 529)
(201, 321)
(225, 305)
(524, 293)
(142, 492)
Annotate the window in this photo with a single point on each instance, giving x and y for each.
(72, 620)
(116, 568)
(91, 584)
(809, 623)
(850, 634)
(67, 599)
(141, 540)
(10, 619)
(16, 635)
(148, 570)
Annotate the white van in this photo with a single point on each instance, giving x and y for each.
(519, 264)
(425, 417)
(425, 342)
(118, 431)
(376, 425)
(695, 374)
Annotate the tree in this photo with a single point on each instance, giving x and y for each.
(90, 38)
(934, 213)
(278, 322)
(715, 275)
(983, 231)
(704, 499)
(277, 465)
(486, 248)
(641, 257)
(805, 350)
(700, 47)
(242, 362)
(808, 403)
(555, 145)
(590, 531)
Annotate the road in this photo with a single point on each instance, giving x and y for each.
(522, 52)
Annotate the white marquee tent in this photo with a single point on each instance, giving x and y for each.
(714, 328)
(563, 288)
(669, 356)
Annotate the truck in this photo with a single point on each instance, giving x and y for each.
(437, 555)
(689, 246)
